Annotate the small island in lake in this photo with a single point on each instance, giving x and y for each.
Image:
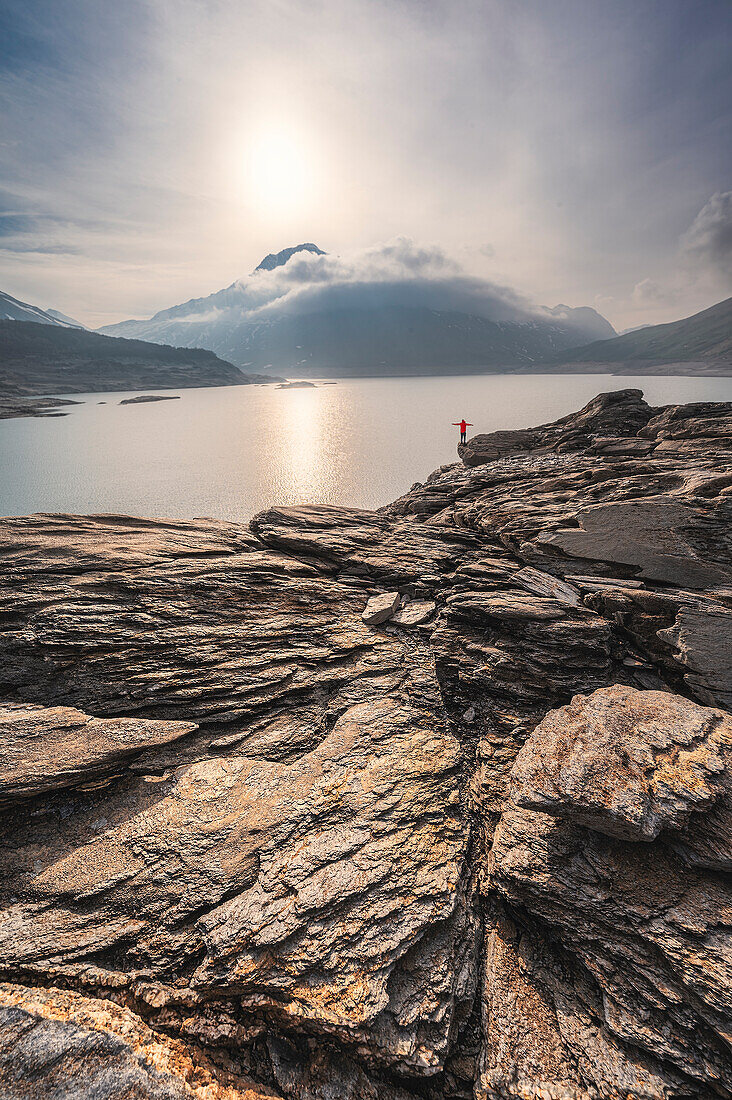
(150, 397)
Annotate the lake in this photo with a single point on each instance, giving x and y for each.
(232, 451)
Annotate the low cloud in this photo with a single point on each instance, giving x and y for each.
(707, 242)
(396, 273)
(649, 292)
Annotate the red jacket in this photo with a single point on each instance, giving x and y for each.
(463, 425)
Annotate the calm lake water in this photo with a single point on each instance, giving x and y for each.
(232, 451)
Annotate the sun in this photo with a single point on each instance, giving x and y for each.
(281, 171)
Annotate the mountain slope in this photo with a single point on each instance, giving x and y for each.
(59, 316)
(703, 336)
(41, 359)
(322, 316)
(12, 309)
(392, 340)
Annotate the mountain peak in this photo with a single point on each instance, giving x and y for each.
(277, 259)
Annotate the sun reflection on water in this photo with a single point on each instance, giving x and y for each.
(304, 453)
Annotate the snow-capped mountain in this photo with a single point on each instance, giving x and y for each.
(12, 309)
(394, 309)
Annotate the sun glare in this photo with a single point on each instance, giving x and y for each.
(281, 172)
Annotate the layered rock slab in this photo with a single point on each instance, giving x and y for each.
(650, 922)
(48, 748)
(342, 866)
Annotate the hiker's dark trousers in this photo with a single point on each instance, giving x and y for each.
(462, 436)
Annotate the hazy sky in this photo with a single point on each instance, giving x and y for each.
(576, 150)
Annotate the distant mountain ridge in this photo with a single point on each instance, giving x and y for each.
(12, 309)
(705, 336)
(38, 358)
(319, 318)
(374, 336)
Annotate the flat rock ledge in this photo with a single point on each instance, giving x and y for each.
(431, 802)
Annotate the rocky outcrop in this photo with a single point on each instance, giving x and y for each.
(603, 845)
(609, 418)
(12, 407)
(427, 802)
(58, 1043)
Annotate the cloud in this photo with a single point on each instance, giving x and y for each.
(398, 272)
(648, 292)
(707, 242)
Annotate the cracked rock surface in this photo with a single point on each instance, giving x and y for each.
(259, 841)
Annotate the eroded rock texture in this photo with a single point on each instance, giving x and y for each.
(473, 841)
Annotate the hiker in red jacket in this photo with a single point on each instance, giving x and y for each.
(463, 425)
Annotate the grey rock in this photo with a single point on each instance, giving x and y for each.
(664, 540)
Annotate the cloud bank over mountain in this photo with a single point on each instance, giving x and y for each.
(395, 305)
(397, 273)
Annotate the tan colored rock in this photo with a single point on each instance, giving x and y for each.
(523, 1053)
(506, 606)
(626, 763)
(305, 888)
(380, 608)
(48, 748)
(544, 584)
(648, 932)
(414, 613)
(57, 1043)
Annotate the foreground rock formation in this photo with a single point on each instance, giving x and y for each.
(256, 845)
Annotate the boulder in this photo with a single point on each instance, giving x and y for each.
(626, 763)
